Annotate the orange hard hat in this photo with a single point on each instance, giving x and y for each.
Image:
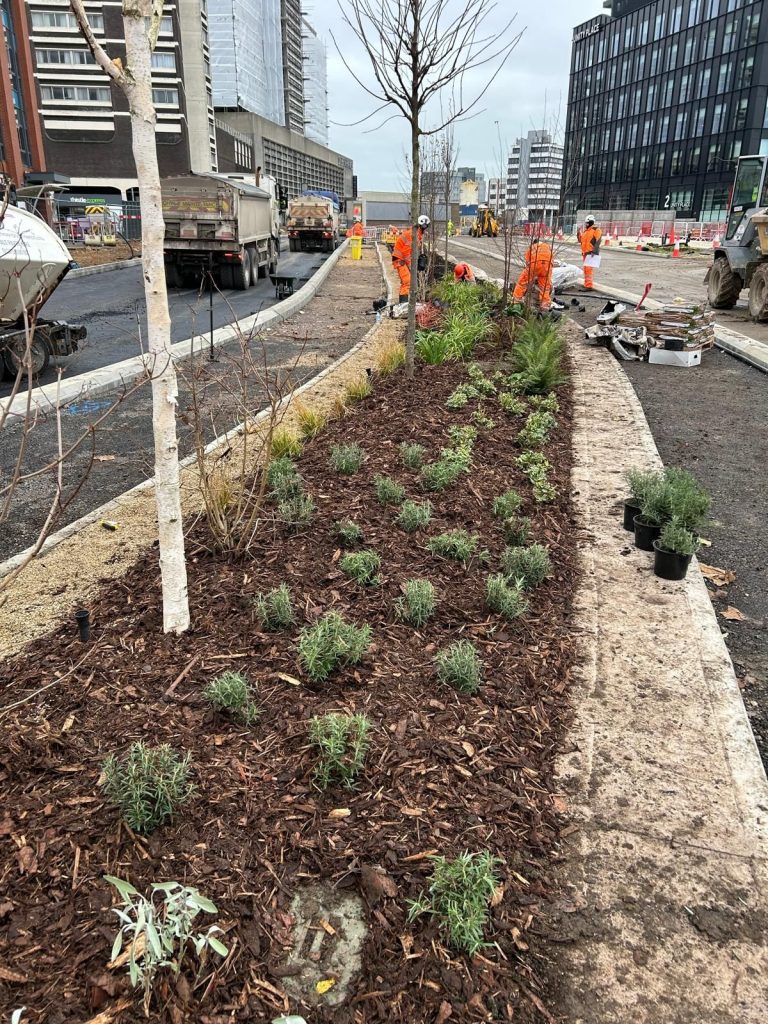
(461, 271)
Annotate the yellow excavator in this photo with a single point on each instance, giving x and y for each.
(486, 225)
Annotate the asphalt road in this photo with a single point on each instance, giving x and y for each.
(671, 280)
(112, 307)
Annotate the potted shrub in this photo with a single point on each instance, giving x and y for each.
(689, 501)
(673, 551)
(640, 483)
(655, 511)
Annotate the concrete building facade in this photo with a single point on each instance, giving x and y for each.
(664, 96)
(497, 194)
(315, 86)
(21, 140)
(534, 178)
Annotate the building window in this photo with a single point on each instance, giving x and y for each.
(76, 94)
(714, 204)
(741, 114)
(718, 118)
(63, 19)
(165, 97)
(64, 57)
(163, 59)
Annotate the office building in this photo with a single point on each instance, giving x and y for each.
(497, 194)
(293, 64)
(315, 86)
(433, 184)
(21, 141)
(534, 178)
(247, 56)
(664, 97)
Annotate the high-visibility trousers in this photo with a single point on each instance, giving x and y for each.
(589, 276)
(541, 275)
(404, 273)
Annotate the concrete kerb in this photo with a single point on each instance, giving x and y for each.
(739, 345)
(127, 371)
(106, 511)
(103, 268)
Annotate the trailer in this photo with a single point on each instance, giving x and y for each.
(220, 225)
(313, 221)
(33, 263)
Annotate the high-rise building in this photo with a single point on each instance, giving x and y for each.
(534, 177)
(433, 183)
(315, 86)
(664, 96)
(21, 142)
(497, 194)
(247, 56)
(293, 64)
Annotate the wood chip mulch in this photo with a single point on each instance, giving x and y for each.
(446, 772)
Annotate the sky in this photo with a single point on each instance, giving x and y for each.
(530, 92)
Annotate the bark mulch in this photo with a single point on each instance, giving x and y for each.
(446, 772)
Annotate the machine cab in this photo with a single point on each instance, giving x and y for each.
(750, 192)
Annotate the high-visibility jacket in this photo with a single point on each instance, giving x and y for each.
(463, 272)
(540, 253)
(404, 245)
(590, 241)
(355, 230)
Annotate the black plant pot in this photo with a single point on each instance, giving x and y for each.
(646, 533)
(631, 509)
(668, 564)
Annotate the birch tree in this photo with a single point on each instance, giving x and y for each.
(421, 53)
(141, 25)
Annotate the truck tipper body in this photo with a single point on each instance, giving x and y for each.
(313, 222)
(33, 262)
(220, 224)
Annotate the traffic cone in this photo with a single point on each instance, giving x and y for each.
(607, 239)
(716, 242)
(639, 243)
(676, 251)
(671, 240)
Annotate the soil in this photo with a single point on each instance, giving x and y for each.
(445, 773)
(96, 256)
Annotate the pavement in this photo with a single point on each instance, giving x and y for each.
(111, 305)
(624, 274)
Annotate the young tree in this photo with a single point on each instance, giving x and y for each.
(448, 156)
(421, 52)
(141, 24)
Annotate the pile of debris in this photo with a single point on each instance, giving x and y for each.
(675, 335)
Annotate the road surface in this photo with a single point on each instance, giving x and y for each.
(111, 305)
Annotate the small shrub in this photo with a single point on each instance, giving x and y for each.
(537, 429)
(512, 405)
(462, 438)
(433, 347)
(529, 566)
(484, 385)
(359, 389)
(459, 896)
(412, 455)
(330, 643)
(311, 421)
(149, 785)
(656, 505)
(231, 693)
(536, 467)
(362, 566)
(456, 544)
(436, 476)
(689, 501)
(389, 491)
(517, 529)
(274, 609)
(481, 420)
(505, 598)
(417, 605)
(296, 511)
(342, 742)
(283, 477)
(544, 491)
(676, 537)
(538, 358)
(414, 515)
(348, 533)
(460, 667)
(284, 443)
(548, 403)
(347, 458)
(457, 400)
(507, 504)
(391, 357)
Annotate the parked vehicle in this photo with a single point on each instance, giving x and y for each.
(33, 263)
(485, 224)
(220, 224)
(313, 221)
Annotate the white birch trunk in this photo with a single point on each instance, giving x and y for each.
(173, 566)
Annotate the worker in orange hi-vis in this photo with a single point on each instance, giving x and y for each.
(591, 237)
(356, 230)
(537, 271)
(401, 255)
(463, 272)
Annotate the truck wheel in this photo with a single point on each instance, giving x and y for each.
(225, 276)
(758, 294)
(241, 273)
(40, 356)
(723, 285)
(274, 252)
(292, 244)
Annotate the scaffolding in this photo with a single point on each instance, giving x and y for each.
(246, 56)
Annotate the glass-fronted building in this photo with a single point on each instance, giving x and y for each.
(664, 97)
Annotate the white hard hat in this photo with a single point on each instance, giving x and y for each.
(424, 221)
(358, 219)
(590, 219)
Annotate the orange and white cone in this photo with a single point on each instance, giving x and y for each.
(639, 243)
(716, 242)
(676, 251)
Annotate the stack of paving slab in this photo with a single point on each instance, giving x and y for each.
(678, 328)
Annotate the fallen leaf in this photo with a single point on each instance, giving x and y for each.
(340, 812)
(560, 803)
(27, 860)
(498, 895)
(324, 986)
(720, 577)
(7, 975)
(443, 1013)
(733, 614)
(377, 883)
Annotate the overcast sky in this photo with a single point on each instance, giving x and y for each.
(531, 91)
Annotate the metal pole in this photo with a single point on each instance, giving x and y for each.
(210, 305)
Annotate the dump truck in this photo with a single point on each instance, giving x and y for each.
(222, 225)
(33, 263)
(485, 224)
(741, 261)
(313, 221)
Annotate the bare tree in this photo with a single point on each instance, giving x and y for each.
(420, 53)
(141, 25)
(448, 157)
